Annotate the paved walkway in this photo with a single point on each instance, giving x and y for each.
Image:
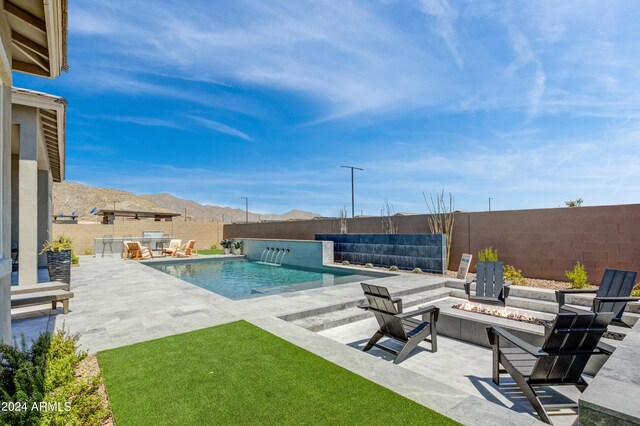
(120, 302)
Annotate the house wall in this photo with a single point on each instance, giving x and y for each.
(83, 235)
(543, 243)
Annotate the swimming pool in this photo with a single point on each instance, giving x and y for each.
(241, 279)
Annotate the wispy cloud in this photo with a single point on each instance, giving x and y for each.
(142, 121)
(443, 21)
(362, 58)
(530, 103)
(222, 128)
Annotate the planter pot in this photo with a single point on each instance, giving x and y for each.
(227, 250)
(236, 251)
(59, 265)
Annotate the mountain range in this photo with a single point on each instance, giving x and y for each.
(69, 197)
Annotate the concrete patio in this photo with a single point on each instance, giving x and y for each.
(120, 302)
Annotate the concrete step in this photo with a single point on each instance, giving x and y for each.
(355, 302)
(532, 304)
(517, 291)
(336, 318)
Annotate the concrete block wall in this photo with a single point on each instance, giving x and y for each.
(544, 243)
(83, 235)
(309, 254)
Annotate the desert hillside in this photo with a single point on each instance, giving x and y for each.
(70, 196)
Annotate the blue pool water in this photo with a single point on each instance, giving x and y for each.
(240, 279)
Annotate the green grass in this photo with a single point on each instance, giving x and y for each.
(240, 374)
(211, 251)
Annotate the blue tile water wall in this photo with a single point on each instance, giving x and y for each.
(406, 251)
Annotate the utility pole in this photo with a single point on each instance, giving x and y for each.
(353, 197)
(490, 203)
(246, 209)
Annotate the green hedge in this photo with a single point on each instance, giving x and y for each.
(42, 381)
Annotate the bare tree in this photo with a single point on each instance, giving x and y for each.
(441, 215)
(343, 220)
(389, 223)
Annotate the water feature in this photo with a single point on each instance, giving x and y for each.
(406, 251)
(270, 256)
(265, 251)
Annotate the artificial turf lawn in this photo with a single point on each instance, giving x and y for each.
(211, 251)
(237, 373)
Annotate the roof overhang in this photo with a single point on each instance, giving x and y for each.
(38, 36)
(52, 113)
(137, 214)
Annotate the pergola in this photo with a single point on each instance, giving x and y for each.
(108, 216)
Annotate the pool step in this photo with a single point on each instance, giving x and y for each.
(350, 314)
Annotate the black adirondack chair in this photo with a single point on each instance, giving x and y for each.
(570, 342)
(382, 292)
(611, 296)
(401, 327)
(490, 285)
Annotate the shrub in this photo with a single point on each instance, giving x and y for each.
(578, 277)
(514, 275)
(488, 254)
(61, 243)
(214, 246)
(238, 245)
(393, 268)
(226, 243)
(574, 203)
(369, 265)
(88, 251)
(417, 271)
(636, 291)
(46, 372)
(345, 262)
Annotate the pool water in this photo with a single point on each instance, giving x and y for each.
(241, 279)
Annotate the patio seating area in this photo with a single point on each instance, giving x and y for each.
(118, 303)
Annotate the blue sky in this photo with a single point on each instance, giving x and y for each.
(530, 103)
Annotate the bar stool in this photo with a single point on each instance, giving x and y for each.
(107, 240)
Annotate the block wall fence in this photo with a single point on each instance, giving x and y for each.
(543, 243)
(83, 235)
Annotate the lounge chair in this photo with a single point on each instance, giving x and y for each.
(173, 246)
(611, 296)
(135, 250)
(401, 327)
(570, 341)
(186, 250)
(490, 285)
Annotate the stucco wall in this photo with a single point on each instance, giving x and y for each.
(544, 243)
(83, 235)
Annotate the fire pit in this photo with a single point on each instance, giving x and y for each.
(517, 316)
(501, 313)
